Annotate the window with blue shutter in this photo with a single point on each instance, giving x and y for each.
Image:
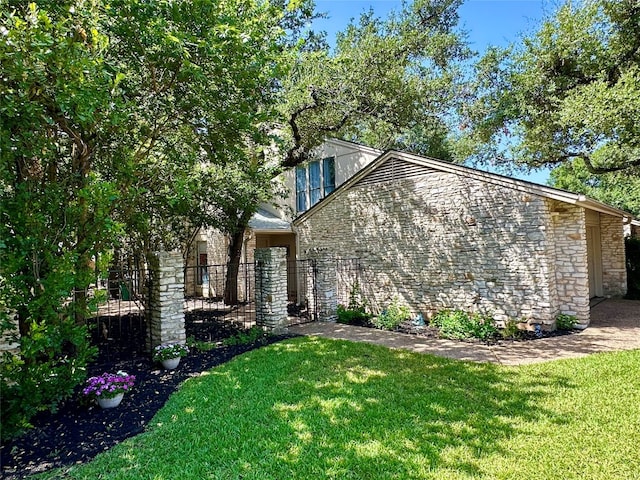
(301, 189)
(329, 175)
(315, 183)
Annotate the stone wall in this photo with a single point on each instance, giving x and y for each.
(325, 300)
(614, 272)
(271, 288)
(166, 297)
(443, 240)
(568, 261)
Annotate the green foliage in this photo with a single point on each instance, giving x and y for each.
(109, 111)
(392, 316)
(619, 189)
(52, 361)
(569, 91)
(199, 345)
(566, 322)
(458, 324)
(247, 337)
(387, 83)
(511, 329)
(355, 313)
(632, 249)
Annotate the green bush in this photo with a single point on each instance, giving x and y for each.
(392, 316)
(251, 335)
(566, 322)
(356, 312)
(511, 329)
(458, 324)
(52, 362)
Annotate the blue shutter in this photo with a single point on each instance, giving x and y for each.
(301, 189)
(329, 175)
(315, 190)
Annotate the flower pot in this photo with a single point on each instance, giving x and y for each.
(171, 363)
(110, 402)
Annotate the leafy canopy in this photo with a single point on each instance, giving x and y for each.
(569, 91)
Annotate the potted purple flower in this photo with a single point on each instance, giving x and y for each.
(109, 388)
(169, 354)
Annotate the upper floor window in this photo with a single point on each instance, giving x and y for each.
(314, 181)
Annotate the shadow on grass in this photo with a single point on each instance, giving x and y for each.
(315, 408)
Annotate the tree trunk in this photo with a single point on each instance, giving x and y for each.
(233, 266)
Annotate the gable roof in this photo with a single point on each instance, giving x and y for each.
(395, 165)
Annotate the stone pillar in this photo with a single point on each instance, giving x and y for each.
(166, 299)
(326, 283)
(271, 288)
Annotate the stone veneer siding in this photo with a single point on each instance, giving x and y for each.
(567, 250)
(614, 271)
(271, 288)
(443, 240)
(166, 310)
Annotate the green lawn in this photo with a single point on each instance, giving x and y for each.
(316, 408)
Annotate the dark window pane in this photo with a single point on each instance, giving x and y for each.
(301, 189)
(329, 175)
(315, 192)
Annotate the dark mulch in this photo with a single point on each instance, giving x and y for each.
(79, 430)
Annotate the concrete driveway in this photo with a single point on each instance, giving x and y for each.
(615, 325)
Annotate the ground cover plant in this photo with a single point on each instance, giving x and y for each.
(317, 408)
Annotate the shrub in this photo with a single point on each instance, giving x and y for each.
(458, 324)
(392, 316)
(355, 313)
(566, 322)
(251, 335)
(200, 345)
(511, 329)
(52, 362)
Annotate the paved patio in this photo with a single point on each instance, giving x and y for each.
(615, 325)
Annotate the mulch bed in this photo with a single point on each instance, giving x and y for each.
(79, 429)
(427, 331)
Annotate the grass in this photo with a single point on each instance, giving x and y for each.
(317, 408)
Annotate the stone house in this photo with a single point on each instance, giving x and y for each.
(439, 235)
(334, 162)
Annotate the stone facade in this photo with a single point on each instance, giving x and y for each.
(271, 288)
(440, 240)
(166, 297)
(614, 271)
(324, 300)
(567, 259)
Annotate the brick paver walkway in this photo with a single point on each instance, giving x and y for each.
(615, 325)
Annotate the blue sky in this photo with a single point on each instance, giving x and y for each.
(487, 22)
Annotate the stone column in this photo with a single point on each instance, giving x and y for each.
(326, 297)
(166, 299)
(271, 288)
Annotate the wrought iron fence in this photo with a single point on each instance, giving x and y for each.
(204, 301)
(349, 278)
(117, 303)
(302, 291)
